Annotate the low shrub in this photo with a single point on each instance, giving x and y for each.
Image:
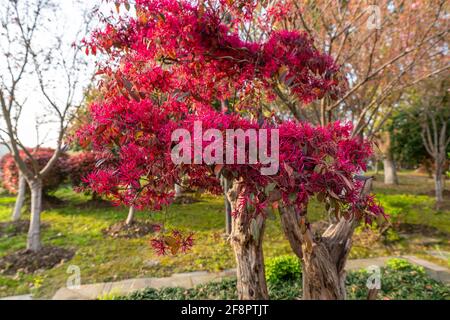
(56, 176)
(223, 290)
(282, 269)
(79, 166)
(400, 280)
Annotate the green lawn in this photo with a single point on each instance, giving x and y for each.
(79, 226)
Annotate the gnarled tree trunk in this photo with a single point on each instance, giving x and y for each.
(323, 260)
(323, 257)
(20, 198)
(34, 232)
(246, 239)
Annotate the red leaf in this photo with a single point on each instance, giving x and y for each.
(218, 169)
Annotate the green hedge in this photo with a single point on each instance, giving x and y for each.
(399, 280)
(283, 269)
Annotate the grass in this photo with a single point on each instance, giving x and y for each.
(101, 259)
(77, 225)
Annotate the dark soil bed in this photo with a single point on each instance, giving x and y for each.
(49, 202)
(13, 228)
(185, 200)
(432, 193)
(420, 229)
(28, 261)
(136, 229)
(96, 203)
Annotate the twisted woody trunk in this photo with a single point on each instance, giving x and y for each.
(324, 256)
(246, 239)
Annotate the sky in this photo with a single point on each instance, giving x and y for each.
(67, 21)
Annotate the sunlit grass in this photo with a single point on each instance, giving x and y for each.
(77, 225)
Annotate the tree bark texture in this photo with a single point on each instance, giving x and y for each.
(246, 239)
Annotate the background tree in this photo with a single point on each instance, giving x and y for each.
(382, 47)
(21, 188)
(407, 145)
(433, 102)
(24, 23)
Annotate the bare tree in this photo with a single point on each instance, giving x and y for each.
(434, 103)
(22, 187)
(382, 47)
(51, 67)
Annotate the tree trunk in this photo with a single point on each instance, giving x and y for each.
(246, 239)
(34, 232)
(323, 257)
(439, 185)
(323, 260)
(323, 277)
(130, 217)
(390, 170)
(20, 198)
(290, 223)
(95, 196)
(178, 191)
(228, 218)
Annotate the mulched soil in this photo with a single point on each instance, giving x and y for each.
(96, 203)
(28, 261)
(419, 229)
(432, 193)
(136, 229)
(185, 200)
(51, 202)
(11, 229)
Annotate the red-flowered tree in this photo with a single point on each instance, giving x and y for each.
(15, 183)
(79, 165)
(175, 63)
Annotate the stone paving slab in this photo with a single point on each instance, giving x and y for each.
(191, 279)
(184, 280)
(22, 297)
(356, 264)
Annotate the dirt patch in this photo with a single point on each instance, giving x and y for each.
(432, 193)
(96, 203)
(136, 229)
(49, 202)
(13, 228)
(28, 261)
(420, 229)
(185, 200)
